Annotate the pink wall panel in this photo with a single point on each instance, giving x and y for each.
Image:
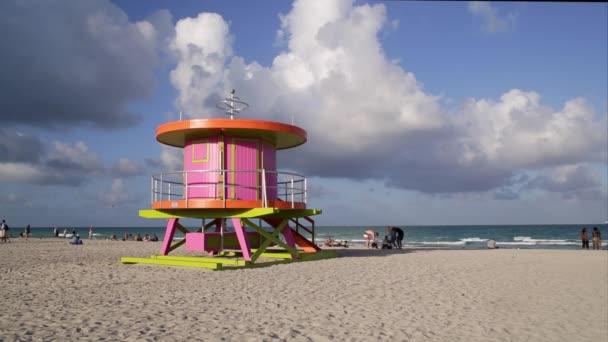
(270, 164)
(242, 156)
(201, 155)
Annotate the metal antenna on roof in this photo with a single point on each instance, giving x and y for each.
(232, 105)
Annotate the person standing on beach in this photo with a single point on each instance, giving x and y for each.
(392, 236)
(585, 238)
(90, 232)
(596, 237)
(3, 231)
(397, 236)
(55, 232)
(27, 232)
(371, 237)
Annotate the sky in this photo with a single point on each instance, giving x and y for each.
(417, 113)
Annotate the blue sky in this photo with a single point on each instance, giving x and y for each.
(417, 112)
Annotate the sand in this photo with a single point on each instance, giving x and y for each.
(52, 291)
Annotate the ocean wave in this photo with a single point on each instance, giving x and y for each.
(440, 243)
(473, 239)
(519, 243)
(521, 238)
(528, 240)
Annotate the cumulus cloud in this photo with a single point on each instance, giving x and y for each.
(23, 173)
(116, 194)
(572, 182)
(521, 132)
(75, 63)
(18, 147)
(60, 163)
(172, 158)
(492, 22)
(201, 46)
(73, 157)
(127, 168)
(367, 118)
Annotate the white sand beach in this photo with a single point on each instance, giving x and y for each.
(52, 291)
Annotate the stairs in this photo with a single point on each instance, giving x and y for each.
(302, 242)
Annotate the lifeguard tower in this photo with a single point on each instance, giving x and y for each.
(230, 176)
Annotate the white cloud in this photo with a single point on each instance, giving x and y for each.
(116, 194)
(76, 63)
(64, 164)
(74, 157)
(125, 168)
(201, 46)
(172, 158)
(576, 181)
(493, 22)
(519, 132)
(20, 173)
(334, 72)
(367, 118)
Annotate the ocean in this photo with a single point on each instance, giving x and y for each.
(453, 237)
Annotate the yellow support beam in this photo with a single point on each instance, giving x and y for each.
(274, 236)
(218, 264)
(185, 263)
(223, 261)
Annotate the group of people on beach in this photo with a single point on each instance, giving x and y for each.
(5, 235)
(74, 233)
(393, 238)
(596, 238)
(136, 237)
(75, 238)
(333, 243)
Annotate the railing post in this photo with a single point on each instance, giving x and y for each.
(305, 191)
(292, 204)
(185, 187)
(161, 188)
(264, 198)
(225, 187)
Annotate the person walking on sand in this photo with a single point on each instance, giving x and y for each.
(90, 232)
(27, 232)
(55, 232)
(596, 238)
(585, 238)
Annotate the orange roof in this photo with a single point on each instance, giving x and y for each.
(283, 136)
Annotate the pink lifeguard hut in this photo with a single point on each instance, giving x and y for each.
(230, 176)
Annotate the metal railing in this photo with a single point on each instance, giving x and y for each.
(222, 185)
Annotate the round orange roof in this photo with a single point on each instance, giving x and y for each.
(283, 136)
